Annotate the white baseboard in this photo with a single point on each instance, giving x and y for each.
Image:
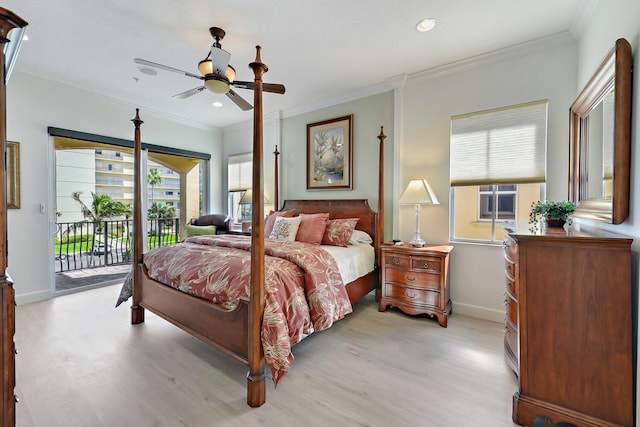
(479, 312)
(32, 297)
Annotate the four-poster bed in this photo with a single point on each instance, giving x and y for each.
(238, 331)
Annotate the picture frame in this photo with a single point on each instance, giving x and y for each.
(330, 154)
(13, 175)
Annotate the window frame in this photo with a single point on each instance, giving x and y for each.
(481, 143)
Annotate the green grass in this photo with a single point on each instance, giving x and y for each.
(85, 245)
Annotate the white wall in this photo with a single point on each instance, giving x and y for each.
(609, 22)
(33, 104)
(369, 114)
(543, 69)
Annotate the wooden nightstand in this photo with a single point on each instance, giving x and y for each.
(415, 280)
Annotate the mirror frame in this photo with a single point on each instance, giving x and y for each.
(614, 73)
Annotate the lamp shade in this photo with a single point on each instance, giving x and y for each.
(418, 192)
(247, 196)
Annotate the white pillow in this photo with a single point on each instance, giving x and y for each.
(358, 237)
(285, 228)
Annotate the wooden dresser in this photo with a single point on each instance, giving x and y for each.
(415, 280)
(568, 326)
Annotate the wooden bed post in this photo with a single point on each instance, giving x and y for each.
(256, 387)
(137, 311)
(8, 21)
(276, 201)
(380, 230)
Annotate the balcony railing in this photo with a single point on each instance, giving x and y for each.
(82, 245)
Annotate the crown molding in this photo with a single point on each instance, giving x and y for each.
(147, 109)
(398, 82)
(500, 55)
(583, 14)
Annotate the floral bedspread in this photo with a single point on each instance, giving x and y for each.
(303, 287)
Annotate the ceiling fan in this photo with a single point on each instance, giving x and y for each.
(217, 74)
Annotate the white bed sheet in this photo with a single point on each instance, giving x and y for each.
(354, 261)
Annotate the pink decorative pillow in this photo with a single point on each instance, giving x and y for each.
(271, 219)
(312, 228)
(339, 231)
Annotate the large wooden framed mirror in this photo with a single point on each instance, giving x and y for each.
(600, 140)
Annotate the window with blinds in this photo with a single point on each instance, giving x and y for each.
(497, 169)
(239, 179)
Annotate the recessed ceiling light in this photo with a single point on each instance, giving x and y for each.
(217, 104)
(148, 71)
(426, 25)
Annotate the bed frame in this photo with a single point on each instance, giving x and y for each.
(237, 332)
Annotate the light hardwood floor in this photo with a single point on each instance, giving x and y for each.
(81, 363)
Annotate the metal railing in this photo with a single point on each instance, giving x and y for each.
(82, 245)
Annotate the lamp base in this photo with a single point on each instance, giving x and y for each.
(417, 240)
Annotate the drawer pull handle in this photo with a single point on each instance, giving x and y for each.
(426, 266)
(396, 261)
(506, 331)
(412, 296)
(409, 279)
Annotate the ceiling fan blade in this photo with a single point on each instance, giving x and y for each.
(165, 67)
(189, 93)
(266, 87)
(238, 100)
(219, 60)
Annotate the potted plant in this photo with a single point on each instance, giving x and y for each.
(556, 214)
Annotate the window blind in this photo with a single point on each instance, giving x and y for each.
(240, 169)
(503, 145)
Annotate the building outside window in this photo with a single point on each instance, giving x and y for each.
(503, 196)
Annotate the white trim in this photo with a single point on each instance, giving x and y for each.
(582, 16)
(515, 51)
(148, 111)
(479, 312)
(32, 297)
(376, 89)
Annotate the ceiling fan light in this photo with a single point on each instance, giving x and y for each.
(205, 67)
(230, 74)
(216, 86)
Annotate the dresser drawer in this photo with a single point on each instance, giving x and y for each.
(511, 337)
(397, 261)
(511, 287)
(510, 249)
(412, 295)
(511, 309)
(413, 278)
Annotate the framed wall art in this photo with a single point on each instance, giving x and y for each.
(13, 175)
(330, 154)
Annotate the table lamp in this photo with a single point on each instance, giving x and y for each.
(418, 193)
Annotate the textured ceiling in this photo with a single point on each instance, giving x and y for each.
(322, 51)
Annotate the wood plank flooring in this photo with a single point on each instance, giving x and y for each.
(81, 363)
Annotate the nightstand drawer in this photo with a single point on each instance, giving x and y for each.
(399, 261)
(413, 278)
(414, 296)
(425, 263)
